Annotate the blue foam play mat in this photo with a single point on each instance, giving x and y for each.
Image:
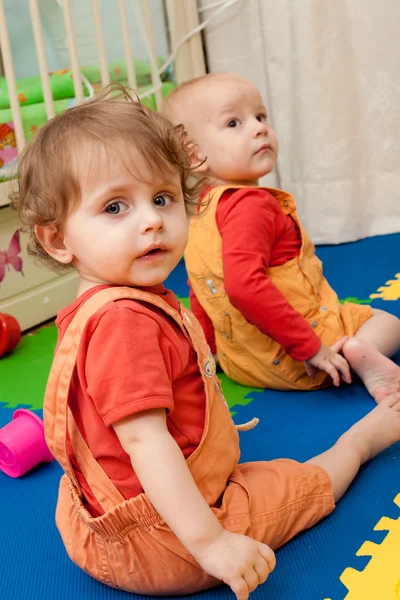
(354, 554)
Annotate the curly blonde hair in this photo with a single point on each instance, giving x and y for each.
(48, 186)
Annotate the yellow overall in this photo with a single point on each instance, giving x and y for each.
(245, 354)
(130, 546)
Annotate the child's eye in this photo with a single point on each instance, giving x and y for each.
(163, 200)
(262, 118)
(115, 208)
(233, 123)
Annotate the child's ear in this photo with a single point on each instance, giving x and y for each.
(51, 239)
(198, 162)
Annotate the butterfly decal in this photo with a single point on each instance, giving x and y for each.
(11, 257)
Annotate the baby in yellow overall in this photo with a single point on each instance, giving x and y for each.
(153, 499)
(257, 286)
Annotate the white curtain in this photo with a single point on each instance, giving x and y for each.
(329, 71)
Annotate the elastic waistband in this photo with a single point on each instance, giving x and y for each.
(134, 514)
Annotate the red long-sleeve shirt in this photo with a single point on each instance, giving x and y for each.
(256, 235)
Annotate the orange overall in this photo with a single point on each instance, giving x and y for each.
(130, 546)
(245, 354)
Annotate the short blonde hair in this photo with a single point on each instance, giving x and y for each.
(48, 186)
(173, 104)
(178, 102)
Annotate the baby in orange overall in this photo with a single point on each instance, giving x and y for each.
(153, 499)
(257, 286)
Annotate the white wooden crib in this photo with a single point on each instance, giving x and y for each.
(36, 294)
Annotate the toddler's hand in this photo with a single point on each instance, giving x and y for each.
(237, 560)
(328, 360)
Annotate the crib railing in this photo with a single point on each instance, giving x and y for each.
(181, 15)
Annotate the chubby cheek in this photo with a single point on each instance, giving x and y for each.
(181, 237)
(274, 142)
(177, 238)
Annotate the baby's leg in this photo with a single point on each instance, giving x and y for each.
(375, 432)
(382, 331)
(380, 375)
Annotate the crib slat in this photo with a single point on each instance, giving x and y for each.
(146, 29)
(73, 54)
(105, 76)
(41, 56)
(130, 66)
(11, 81)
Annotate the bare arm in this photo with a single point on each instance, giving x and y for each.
(163, 473)
(239, 561)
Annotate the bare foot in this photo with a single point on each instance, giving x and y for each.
(381, 376)
(378, 430)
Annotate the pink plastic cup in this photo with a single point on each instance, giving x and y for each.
(22, 444)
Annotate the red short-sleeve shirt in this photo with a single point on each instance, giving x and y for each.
(132, 357)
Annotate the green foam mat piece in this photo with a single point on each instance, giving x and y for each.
(24, 372)
(235, 394)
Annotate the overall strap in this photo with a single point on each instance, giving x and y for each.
(58, 418)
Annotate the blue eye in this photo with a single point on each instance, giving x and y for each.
(162, 200)
(115, 208)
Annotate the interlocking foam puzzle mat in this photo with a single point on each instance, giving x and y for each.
(354, 554)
